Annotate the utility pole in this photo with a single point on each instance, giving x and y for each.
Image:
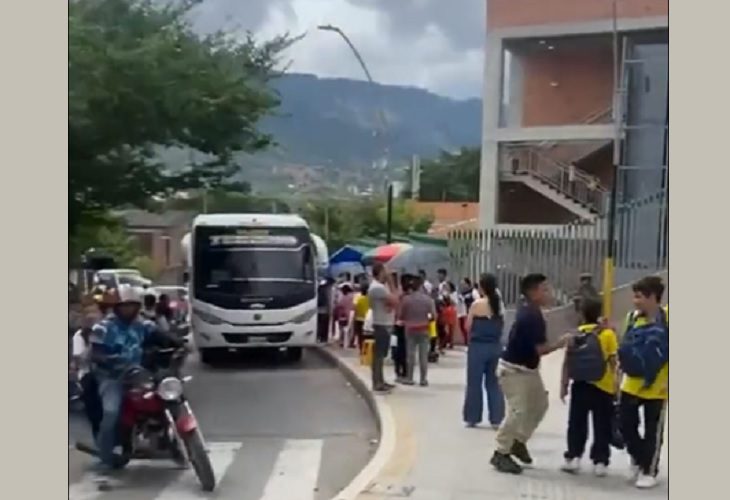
(389, 214)
(415, 177)
(609, 263)
(327, 223)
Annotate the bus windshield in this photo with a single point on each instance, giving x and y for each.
(260, 263)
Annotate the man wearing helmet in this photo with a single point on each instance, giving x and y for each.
(116, 343)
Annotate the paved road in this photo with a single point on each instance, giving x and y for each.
(276, 431)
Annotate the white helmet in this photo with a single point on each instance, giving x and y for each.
(128, 294)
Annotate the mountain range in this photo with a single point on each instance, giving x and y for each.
(343, 127)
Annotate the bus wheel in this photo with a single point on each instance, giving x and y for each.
(294, 354)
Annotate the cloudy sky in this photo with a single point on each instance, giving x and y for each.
(436, 44)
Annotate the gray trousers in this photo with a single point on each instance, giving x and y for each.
(381, 337)
(418, 343)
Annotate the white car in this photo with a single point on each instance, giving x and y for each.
(112, 278)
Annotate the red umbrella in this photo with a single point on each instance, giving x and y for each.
(385, 252)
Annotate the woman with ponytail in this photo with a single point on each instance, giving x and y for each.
(485, 324)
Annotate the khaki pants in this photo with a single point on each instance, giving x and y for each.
(527, 403)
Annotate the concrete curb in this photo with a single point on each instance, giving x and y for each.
(385, 421)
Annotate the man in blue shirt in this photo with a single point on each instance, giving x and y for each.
(117, 344)
(519, 376)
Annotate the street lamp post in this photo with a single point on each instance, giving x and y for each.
(380, 117)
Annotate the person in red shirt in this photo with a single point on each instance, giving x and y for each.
(448, 322)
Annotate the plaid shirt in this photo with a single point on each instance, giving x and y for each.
(123, 341)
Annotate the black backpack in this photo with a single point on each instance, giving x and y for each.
(586, 362)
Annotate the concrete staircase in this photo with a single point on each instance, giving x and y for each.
(564, 185)
(548, 168)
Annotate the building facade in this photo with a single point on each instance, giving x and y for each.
(159, 237)
(554, 99)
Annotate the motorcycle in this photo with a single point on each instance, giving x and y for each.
(156, 420)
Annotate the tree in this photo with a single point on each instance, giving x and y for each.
(227, 200)
(141, 81)
(109, 233)
(341, 222)
(451, 177)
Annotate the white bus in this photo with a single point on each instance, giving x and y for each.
(253, 283)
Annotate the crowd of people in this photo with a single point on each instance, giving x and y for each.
(615, 377)
(408, 318)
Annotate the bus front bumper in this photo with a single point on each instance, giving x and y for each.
(208, 336)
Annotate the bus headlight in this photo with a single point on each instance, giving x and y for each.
(304, 317)
(170, 389)
(209, 318)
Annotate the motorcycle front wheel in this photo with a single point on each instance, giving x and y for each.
(199, 459)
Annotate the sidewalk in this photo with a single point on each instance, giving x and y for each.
(435, 457)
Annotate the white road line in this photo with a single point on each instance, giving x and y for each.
(84, 489)
(295, 472)
(187, 487)
(184, 487)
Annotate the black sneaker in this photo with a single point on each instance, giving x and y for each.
(519, 451)
(406, 381)
(383, 389)
(505, 463)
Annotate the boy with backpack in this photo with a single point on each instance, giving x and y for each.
(589, 371)
(644, 360)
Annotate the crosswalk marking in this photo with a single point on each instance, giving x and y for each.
(294, 476)
(295, 472)
(187, 487)
(84, 489)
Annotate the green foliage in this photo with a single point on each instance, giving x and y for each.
(341, 222)
(141, 80)
(451, 177)
(225, 200)
(110, 235)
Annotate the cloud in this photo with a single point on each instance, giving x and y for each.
(424, 43)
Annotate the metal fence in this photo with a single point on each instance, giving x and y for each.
(563, 253)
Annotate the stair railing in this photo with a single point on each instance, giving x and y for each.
(577, 186)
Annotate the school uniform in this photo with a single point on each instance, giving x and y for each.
(594, 399)
(644, 450)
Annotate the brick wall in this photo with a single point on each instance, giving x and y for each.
(566, 85)
(518, 204)
(600, 164)
(162, 246)
(509, 13)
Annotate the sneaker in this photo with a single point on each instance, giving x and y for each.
(633, 474)
(519, 451)
(383, 389)
(470, 425)
(600, 470)
(504, 463)
(407, 381)
(388, 386)
(424, 383)
(646, 481)
(571, 465)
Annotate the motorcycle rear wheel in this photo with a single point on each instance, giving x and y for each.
(199, 459)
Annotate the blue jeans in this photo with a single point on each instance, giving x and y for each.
(481, 368)
(110, 393)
